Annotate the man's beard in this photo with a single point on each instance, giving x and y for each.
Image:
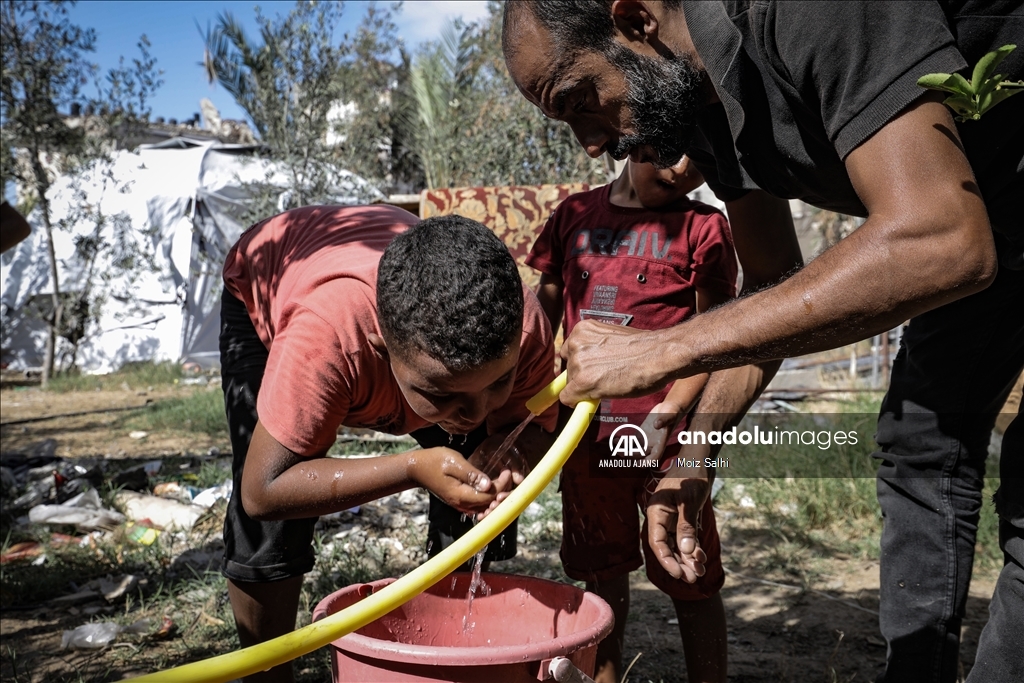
(663, 96)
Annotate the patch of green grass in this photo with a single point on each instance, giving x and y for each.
(202, 411)
(814, 501)
(213, 473)
(369, 447)
(543, 528)
(819, 502)
(24, 583)
(137, 375)
(987, 553)
(199, 608)
(338, 567)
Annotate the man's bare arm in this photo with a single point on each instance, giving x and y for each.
(768, 251)
(927, 242)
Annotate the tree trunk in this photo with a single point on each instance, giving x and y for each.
(53, 320)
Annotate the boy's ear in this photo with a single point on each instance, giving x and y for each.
(378, 344)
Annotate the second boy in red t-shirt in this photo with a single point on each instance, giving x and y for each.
(637, 252)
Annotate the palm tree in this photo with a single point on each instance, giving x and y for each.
(441, 81)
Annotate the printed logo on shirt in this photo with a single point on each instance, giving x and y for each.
(606, 317)
(607, 242)
(602, 297)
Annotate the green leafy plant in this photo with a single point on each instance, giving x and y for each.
(986, 89)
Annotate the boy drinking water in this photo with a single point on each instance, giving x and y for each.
(637, 252)
(366, 317)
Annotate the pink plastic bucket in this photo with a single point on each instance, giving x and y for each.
(518, 625)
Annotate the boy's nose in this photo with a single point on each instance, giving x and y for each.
(474, 410)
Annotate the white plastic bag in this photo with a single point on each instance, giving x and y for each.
(99, 635)
(90, 636)
(84, 511)
(166, 514)
(208, 497)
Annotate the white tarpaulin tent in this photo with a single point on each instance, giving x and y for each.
(184, 199)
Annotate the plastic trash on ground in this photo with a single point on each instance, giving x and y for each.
(26, 550)
(8, 482)
(99, 635)
(30, 550)
(70, 479)
(208, 497)
(142, 532)
(84, 511)
(90, 636)
(176, 491)
(114, 588)
(132, 479)
(166, 514)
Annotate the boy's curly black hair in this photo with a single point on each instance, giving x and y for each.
(449, 287)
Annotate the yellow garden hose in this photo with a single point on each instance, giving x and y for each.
(297, 643)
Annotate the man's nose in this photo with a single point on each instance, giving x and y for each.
(594, 141)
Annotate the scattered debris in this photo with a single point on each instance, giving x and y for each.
(209, 497)
(142, 532)
(173, 490)
(101, 634)
(71, 479)
(132, 479)
(84, 511)
(163, 513)
(114, 589)
(28, 550)
(788, 509)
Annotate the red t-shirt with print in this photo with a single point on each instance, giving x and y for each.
(308, 278)
(635, 267)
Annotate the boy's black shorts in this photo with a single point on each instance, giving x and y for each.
(272, 551)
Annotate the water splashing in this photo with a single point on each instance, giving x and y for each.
(474, 585)
(476, 582)
(507, 444)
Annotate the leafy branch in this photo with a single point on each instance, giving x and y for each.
(986, 89)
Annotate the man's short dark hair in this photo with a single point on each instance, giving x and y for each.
(575, 25)
(449, 287)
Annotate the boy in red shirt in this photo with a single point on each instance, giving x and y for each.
(366, 317)
(637, 252)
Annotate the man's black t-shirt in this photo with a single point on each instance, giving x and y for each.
(804, 83)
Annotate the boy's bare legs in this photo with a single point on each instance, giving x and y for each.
(608, 668)
(702, 627)
(264, 611)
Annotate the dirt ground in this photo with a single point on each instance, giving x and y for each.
(786, 634)
(84, 423)
(825, 630)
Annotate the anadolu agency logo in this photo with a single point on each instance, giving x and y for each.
(626, 441)
(627, 446)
